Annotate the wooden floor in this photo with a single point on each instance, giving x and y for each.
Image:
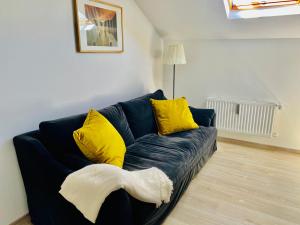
(242, 186)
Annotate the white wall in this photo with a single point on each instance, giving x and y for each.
(257, 69)
(206, 19)
(42, 76)
(251, 59)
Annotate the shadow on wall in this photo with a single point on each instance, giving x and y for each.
(98, 102)
(12, 192)
(157, 54)
(29, 112)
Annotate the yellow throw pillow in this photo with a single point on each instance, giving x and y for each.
(99, 141)
(173, 116)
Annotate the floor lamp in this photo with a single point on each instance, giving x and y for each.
(174, 55)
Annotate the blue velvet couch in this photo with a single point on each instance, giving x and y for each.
(48, 155)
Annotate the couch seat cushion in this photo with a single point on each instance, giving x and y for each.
(180, 156)
(174, 154)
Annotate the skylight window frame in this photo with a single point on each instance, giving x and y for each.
(260, 12)
(263, 4)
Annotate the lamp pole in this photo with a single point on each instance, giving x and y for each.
(174, 74)
(174, 55)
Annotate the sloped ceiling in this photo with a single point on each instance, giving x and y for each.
(206, 19)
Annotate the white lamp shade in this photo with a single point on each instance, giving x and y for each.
(174, 55)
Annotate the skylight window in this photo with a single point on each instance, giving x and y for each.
(243, 9)
(256, 4)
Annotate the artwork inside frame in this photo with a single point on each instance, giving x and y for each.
(99, 27)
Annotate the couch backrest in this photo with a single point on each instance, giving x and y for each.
(57, 135)
(140, 115)
(132, 119)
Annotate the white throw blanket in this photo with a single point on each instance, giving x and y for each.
(87, 188)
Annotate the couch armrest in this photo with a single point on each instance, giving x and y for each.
(40, 171)
(43, 175)
(204, 117)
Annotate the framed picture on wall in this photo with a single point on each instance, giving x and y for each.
(99, 27)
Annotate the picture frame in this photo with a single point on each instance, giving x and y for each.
(99, 27)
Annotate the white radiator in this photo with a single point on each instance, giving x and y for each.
(253, 118)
